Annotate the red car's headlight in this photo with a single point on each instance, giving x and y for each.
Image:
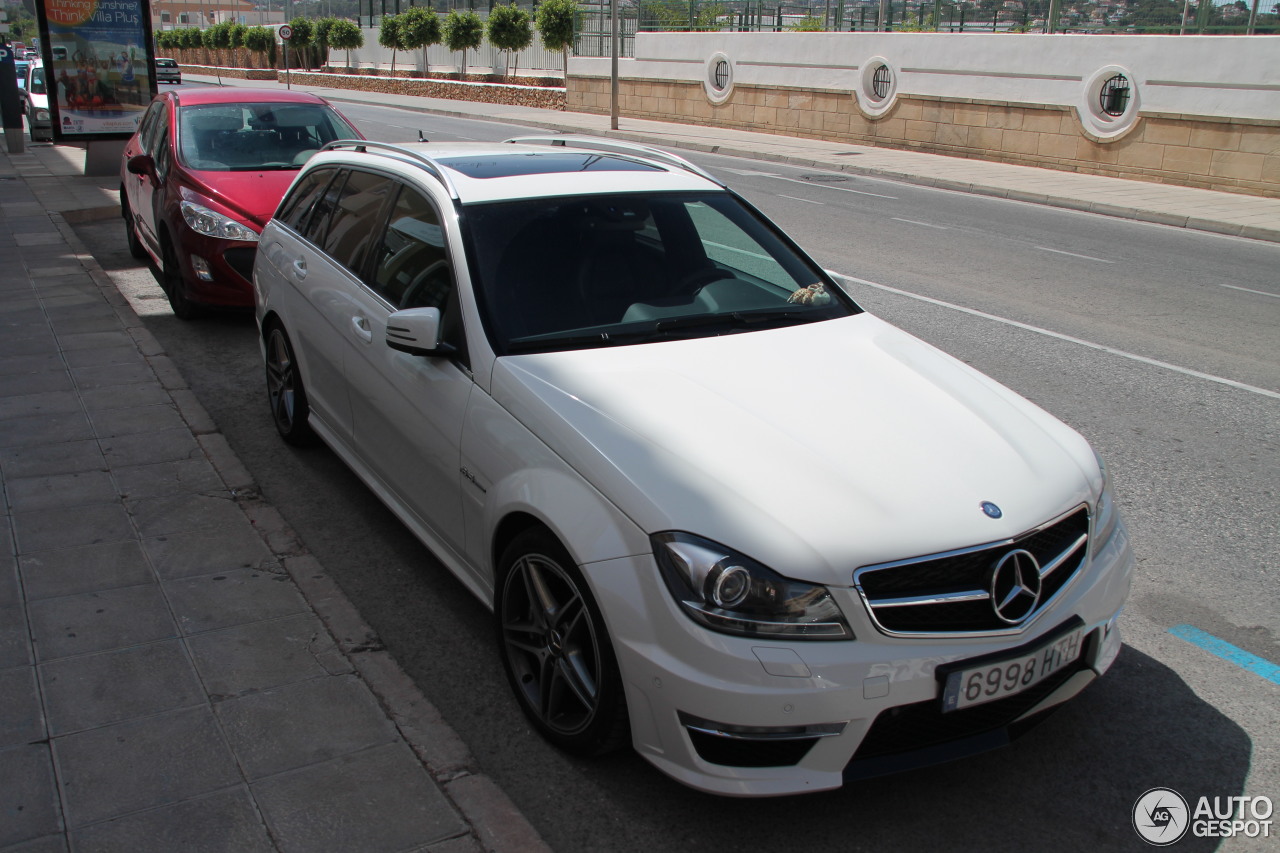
(213, 224)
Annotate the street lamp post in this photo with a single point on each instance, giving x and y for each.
(613, 71)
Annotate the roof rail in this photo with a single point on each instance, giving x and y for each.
(404, 154)
(618, 146)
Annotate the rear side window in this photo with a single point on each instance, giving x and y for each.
(354, 221)
(301, 200)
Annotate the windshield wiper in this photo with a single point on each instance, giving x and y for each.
(572, 341)
(269, 167)
(736, 318)
(662, 329)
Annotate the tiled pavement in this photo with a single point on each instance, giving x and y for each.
(176, 673)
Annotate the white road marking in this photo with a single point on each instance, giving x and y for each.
(1074, 255)
(1185, 371)
(806, 200)
(1247, 290)
(923, 224)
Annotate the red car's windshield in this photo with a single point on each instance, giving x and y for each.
(244, 137)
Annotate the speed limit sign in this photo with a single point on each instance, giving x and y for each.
(286, 32)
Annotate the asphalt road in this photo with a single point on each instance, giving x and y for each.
(1157, 343)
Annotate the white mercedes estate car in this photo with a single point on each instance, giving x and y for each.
(719, 511)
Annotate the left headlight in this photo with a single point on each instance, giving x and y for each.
(213, 224)
(42, 115)
(730, 592)
(1105, 515)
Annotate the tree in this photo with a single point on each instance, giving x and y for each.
(463, 31)
(323, 27)
(390, 35)
(235, 36)
(261, 40)
(346, 35)
(300, 40)
(509, 30)
(807, 24)
(218, 37)
(555, 24)
(420, 27)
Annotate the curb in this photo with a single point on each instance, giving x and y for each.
(492, 816)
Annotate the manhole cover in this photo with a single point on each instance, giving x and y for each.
(832, 179)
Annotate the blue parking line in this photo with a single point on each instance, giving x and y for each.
(1228, 652)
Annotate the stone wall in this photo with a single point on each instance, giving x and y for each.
(543, 97)
(1199, 112)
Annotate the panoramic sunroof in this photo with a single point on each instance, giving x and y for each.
(526, 163)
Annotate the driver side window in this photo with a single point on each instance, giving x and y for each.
(413, 262)
(412, 268)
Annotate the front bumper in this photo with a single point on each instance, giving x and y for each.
(752, 717)
(229, 265)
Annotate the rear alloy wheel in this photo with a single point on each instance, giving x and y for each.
(174, 287)
(556, 649)
(287, 397)
(130, 230)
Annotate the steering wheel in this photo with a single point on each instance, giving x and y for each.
(420, 282)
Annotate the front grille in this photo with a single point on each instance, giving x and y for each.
(908, 728)
(951, 593)
(240, 259)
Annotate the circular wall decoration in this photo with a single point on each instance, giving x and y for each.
(877, 87)
(718, 79)
(1109, 103)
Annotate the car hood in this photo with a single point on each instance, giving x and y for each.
(815, 449)
(252, 195)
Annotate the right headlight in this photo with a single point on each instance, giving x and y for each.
(732, 593)
(42, 115)
(1104, 511)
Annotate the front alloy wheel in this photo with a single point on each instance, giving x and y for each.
(556, 649)
(136, 249)
(174, 287)
(285, 393)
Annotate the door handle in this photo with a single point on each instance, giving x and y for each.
(363, 331)
(300, 268)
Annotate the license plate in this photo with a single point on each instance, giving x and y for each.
(997, 679)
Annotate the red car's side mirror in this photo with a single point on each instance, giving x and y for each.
(141, 164)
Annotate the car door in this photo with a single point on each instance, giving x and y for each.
(144, 190)
(408, 410)
(333, 218)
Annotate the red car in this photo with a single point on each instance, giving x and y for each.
(203, 175)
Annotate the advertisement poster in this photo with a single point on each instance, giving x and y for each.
(97, 66)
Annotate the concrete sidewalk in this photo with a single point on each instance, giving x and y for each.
(176, 672)
(1205, 210)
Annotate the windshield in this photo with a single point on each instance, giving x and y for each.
(571, 273)
(37, 81)
(250, 137)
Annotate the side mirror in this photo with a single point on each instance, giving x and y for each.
(417, 332)
(141, 164)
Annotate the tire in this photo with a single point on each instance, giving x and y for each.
(131, 233)
(174, 286)
(555, 648)
(285, 392)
